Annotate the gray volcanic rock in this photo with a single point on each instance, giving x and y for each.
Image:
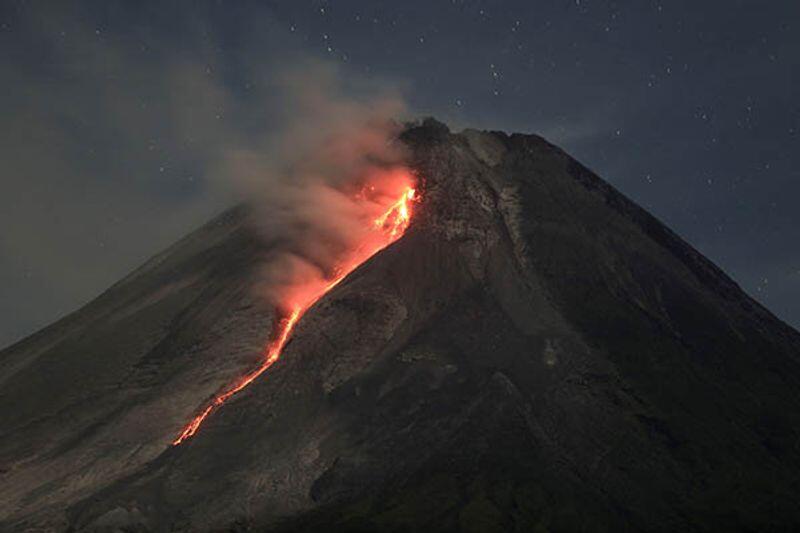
(537, 353)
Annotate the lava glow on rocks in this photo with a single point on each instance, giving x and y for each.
(392, 221)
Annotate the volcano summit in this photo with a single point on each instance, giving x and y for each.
(534, 353)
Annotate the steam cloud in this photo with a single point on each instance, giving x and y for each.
(96, 181)
(317, 185)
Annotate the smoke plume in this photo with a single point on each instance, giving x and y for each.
(126, 128)
(318, 184)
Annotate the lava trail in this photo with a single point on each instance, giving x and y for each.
(385, 229)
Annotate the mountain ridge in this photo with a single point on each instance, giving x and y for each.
(536, 352)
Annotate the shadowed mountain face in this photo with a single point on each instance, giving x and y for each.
(537, 353)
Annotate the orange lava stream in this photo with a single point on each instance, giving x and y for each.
(387, 228)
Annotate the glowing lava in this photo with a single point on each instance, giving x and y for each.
(384, 230)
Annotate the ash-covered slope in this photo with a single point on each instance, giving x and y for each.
(100, 393)
(535, 352)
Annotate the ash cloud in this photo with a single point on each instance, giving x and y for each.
(307, 181)
(127, 127)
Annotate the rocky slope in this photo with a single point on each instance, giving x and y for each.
(537, 353)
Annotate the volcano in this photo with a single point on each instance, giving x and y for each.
(534, 353)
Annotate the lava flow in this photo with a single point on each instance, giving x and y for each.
(384, 230)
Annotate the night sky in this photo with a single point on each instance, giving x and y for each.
(114, 115)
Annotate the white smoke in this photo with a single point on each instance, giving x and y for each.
(304, 180)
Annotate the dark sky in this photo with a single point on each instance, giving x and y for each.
(114, 115)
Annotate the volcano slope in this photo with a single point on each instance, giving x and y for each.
(536, 353)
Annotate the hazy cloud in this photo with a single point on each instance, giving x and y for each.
(116, 143)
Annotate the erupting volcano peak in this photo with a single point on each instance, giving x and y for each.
(538, 352)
